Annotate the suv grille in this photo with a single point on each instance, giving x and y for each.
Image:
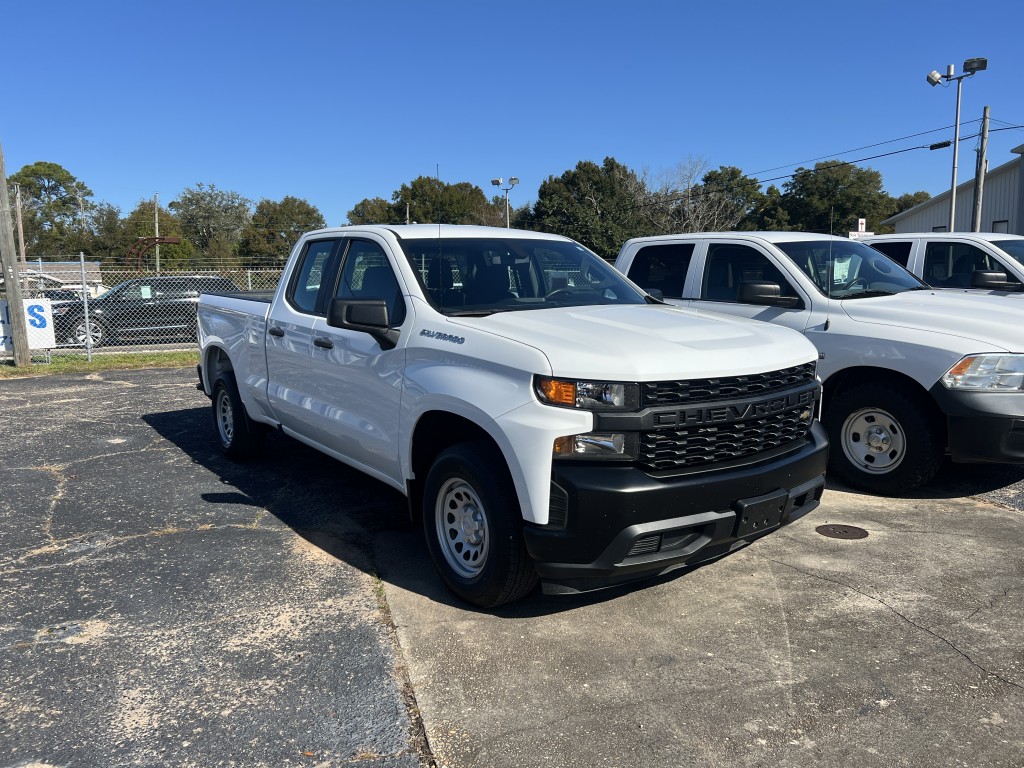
(707, 390)
(712, 443)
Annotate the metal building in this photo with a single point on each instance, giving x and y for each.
(1002, 204)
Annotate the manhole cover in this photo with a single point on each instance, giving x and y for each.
(842, 531)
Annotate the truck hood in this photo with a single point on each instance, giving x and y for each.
(990, 321)
(648, 342)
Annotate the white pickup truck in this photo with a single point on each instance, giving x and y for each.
(909, 373)
(974, 261)
(542, 416)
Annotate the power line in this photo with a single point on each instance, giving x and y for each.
(858, 149)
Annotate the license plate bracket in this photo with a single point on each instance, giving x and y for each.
(760, 513)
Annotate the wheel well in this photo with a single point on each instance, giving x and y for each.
(435, 431)
(849, 377)
(217, 362)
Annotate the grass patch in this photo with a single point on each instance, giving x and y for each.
(115, 361)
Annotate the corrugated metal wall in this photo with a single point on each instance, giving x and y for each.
(1003, 200)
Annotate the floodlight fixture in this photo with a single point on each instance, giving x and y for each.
(971, 66)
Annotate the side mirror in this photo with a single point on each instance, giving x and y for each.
(655, 293)
(765, 293)
(364, 315)
(994, 281)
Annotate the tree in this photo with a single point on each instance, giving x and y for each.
(831, 197)
(433, 201)
(139, 224)
(600, 206)
(768, 214)
(213, 219)
(374, 210)
(426, 200)
(274, 229)
(55, 209)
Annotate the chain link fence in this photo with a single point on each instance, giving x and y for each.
(116, 310)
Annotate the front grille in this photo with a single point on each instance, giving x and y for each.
(657, 393)
(667, 449)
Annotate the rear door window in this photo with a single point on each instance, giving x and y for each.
(662, 267)
(309, 278)
(897, 250)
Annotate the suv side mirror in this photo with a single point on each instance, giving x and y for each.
(364, 315)
(655, 293)
(766, 293)
(996, 281)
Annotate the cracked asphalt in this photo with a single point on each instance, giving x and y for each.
(163, 606)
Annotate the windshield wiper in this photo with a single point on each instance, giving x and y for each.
(476, 312)
(867, 294)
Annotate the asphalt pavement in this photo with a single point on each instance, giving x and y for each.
(163, 606)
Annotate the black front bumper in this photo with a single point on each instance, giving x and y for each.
(622, 523)
(983, 426)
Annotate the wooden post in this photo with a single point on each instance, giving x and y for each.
(12, 280)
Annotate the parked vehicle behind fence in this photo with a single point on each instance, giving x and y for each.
(142, 309)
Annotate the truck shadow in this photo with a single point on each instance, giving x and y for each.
(364, 523)
(346, 514)
(994, 482)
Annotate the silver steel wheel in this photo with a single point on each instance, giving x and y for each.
(873, 440)
(225, 417)
(462, 530)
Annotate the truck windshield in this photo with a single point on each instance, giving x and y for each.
(1013, 247)
(479, 276)
(849, 270)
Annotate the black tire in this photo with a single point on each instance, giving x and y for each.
(97, 331)
(883, 439)
(238, 436)
(473, 526)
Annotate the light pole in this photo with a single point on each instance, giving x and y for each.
(934, 78)
(512, 181)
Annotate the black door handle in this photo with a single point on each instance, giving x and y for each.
(323, 343)
(275, 331)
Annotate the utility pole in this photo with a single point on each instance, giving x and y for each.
(156, 227)
(21, 233)
(979, 173)
(8, 261)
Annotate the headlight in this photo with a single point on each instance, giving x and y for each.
(992, 373)
(604, 446)
(587, 395)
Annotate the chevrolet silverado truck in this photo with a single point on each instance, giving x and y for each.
(910, 373)
(545, 418)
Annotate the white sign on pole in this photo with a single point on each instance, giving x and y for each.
(38, 324)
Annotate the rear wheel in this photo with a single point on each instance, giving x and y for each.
(884, 440)
(473, 526)
(239, 436)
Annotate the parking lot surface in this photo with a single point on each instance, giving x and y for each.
(163, 606)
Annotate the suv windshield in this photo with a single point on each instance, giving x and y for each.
(478, 276)
(849, 270)
(1013, 247)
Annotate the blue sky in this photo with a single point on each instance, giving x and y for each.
(334, 102)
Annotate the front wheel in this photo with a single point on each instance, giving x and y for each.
(96, 332)
(883, 440)
(473, 526)
(239, 436)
